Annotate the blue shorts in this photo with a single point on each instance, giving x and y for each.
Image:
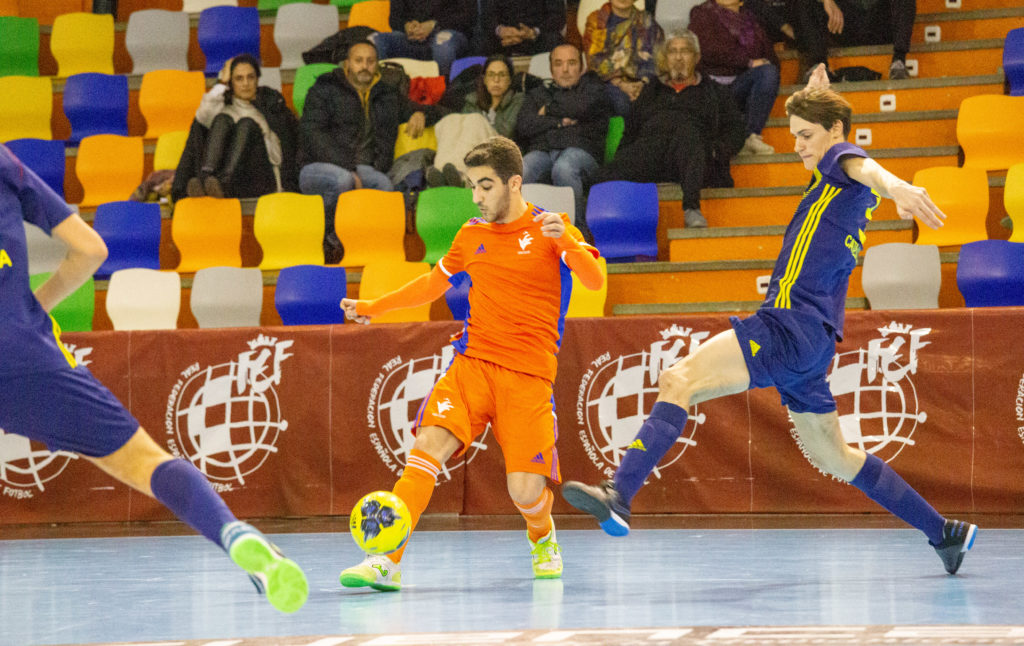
(791, 351)
(67, 410)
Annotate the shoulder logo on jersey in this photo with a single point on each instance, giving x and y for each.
(5, 260)
(476, 220)
(538, 459)
(637, 444)
(754, 347)
(480, 249)
(444, 406)
(524, 242)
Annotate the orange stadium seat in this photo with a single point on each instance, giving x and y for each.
(26, 104)
(371, 226)
(8, 7)
(371, 13)
(962, 194)
(207, 232)
(168, 100)
(83, 42)
(379, 278)
(109, 167)
(290, 228)
(990, 129)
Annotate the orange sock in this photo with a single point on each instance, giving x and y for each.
(538, 515)
(415, 488)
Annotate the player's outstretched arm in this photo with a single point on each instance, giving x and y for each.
(419, 291)
(581, 261)
(911, 201)
(86, 252)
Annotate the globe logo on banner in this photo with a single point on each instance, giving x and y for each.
(876, 398)
(616, 394)
(226, 418)
(396, 396)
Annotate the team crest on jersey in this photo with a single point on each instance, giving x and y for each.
(524, 242)
(616, 394)
(226, 418)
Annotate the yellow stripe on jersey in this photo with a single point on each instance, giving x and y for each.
(803, 242)
(60, 344)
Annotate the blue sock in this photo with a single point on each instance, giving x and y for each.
(184, 490)
(883, 485)
(656, 437)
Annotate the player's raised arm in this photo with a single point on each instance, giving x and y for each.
(911, 201)
(86, 252)
(577, 257)
(419, 291)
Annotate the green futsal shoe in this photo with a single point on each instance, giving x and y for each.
(547, 557)
(279, 578)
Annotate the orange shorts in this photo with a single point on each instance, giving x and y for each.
(519, 407)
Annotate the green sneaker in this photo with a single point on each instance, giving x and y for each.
(376, 571)
(547, 557)
(279, 578)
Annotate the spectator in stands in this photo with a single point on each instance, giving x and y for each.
(495, 97)
(776, 18)
(243, 141)
(683, 128)
(562, 126)
(619, 41)
(736, 51)
(428, 29)
(348, 130)
(514, 27)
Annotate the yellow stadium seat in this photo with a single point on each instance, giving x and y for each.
(109, 167)
(962, 194)
(990, 129)
(290, 228)
(207, 232)
(379, 278)
(585, 302)
(1013, 200)
(83, 42)
(169, 147)
(371, 13)
(404, 143)
(168, 100)
(371, 225)
(26, 103)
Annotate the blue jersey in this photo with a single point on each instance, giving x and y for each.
(29, 337)
(822, 242)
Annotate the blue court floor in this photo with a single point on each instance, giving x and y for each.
(178, 588)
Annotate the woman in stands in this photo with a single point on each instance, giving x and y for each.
(495, 97)
(243, 140)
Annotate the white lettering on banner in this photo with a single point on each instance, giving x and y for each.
(1019, 403)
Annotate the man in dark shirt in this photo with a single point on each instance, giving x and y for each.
(519, 27)
(428, 29)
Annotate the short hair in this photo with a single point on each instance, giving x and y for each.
(661, 49)
(823, 106)
(245, 58)
(348, 50)
(500, 153)
(579, 53)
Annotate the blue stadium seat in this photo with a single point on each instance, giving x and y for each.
(132, 233)
(96, 104)
(457, 295)
(45, 157)
(990, 273)
(623, 216)
(1013, 61)
(310, 295)
(460, 64)
(224, 32)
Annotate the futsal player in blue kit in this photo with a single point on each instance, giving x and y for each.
(790, 341)
(47, 397)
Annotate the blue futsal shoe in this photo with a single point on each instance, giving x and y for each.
(603, 502)
(957, 538)
(279, 578)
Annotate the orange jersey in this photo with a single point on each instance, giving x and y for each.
(519, 292)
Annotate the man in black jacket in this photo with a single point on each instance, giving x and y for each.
(563, 125)
(347, 132)
(683, 128)
(428, 29)
(514, 27)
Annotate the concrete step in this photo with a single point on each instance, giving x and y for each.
(786, 169)
(881, 130)
(968, 24)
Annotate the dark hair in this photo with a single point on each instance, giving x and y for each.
(500, 153)
(483, 96)
(823, 106)
(348, 50)
(246, 58)
(579, 53)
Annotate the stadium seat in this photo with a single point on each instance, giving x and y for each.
(197, 6)
(1013, 61)
(207, 232)
(440, 213)
(990, 129)
(96, 104)
(301, 26)
(540, 65)
(404, 143)
(132, 233)
(347, 4)
(586, 302)
(168, 100)
(109, 168)
(379, 278)
(19, 46)
(271, 77)
(962, 194)
(902, 276)
(371, 13)
(226, 31)
(414, 67)
(144, 299)
(461, 64)
(305, 76)
(310, 295)
(45, 253)
(457, 296)
(227, 297)
(83, 42)
(1013, 200)
(271, 5)
(290, 229)
(45, 157)
(26, 104)
(616, 128)
(623, 217)
(169, 147)
(157, 39)
(559, 199)
(990, 273)
(675, 15)
(371, 226)
(75, 312)
(9, 8)
(587, 7)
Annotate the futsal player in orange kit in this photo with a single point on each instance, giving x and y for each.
(518, 257)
